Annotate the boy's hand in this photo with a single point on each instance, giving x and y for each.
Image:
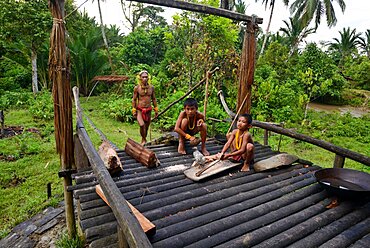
(200, 122)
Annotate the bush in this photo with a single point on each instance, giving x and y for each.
(42, 106)
(10, 99)
(119, 108)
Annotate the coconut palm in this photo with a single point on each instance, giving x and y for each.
(272, 6)
(365, 43)
(295, 33)
(308, 10)
(347, 43)
(105, 37)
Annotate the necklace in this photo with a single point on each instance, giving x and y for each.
(191, 128)
(238, 142)
(144, 87)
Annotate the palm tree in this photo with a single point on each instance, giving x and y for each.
(105, 37)
(272, 6)
(365, 43)
(295, 33)
(347, 44)
(307, 10)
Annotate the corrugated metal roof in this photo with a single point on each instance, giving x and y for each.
(278, 208)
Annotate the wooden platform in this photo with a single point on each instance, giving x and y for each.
(279, 208)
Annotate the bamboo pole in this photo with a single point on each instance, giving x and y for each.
(206, 96)
(186, 94)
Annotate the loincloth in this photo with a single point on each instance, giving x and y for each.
(145, 112)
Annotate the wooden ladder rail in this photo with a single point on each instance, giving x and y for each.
(340, 152)
(130, 234)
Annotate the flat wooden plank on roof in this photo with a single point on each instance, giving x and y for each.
(148, 227)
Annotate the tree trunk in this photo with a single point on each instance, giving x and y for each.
(105, 38)
(35, 87)
(267, 30)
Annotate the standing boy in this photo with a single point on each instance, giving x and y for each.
(190, 122)
(141, 103)
(240, 143)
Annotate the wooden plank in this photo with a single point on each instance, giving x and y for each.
(216, 168)
(148, 227)
(200, 8)
(275, 161)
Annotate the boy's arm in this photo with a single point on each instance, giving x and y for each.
(178, 124)
(228, 143)
(242, 148)
(155, 103)
(134, 100)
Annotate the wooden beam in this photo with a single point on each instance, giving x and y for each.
(148, 227)
(200, 8)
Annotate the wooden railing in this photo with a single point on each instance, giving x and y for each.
(340, 152)
(129, 231)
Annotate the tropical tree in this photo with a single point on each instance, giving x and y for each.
(295, 33)
(308, 10)
(347, 43)
(102, 27)
(271, 4)
(365, 43)
(27, 24)
(135, 12)
(87, 59)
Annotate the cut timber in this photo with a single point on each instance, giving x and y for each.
(141, 154)
(275, 161)
(148, 227)
(209, 169)
(110, 158)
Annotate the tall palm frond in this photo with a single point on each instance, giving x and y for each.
(365, 43)
(308, 10)
(295, 33)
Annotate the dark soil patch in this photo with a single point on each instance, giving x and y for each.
(11, 131)
(8, 132)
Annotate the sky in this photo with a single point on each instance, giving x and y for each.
(355, 16)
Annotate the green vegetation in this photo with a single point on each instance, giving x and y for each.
(66, 242)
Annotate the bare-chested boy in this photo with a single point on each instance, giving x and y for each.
(142, 103)
(240, 143)
(190, 122)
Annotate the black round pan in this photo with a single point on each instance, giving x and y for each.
(345, 183)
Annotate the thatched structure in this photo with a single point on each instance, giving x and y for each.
(59, 72)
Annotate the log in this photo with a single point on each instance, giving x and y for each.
(110, 158)
(200, 8)
(141, 154)
(148, 227)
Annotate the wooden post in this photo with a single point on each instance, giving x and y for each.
(338, 161)
(246, 67)
(81, 159)
(59, 69)
(266, 137)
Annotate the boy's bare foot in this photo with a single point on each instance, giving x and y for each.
(181, 149)
(143, 142)
(245, 167)
(205, 152)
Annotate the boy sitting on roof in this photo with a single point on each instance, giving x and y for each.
(190, 122)
(240, 143)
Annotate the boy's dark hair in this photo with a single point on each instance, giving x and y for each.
(191, 102)
(248, 117)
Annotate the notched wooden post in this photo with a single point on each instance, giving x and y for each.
(338, 161)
